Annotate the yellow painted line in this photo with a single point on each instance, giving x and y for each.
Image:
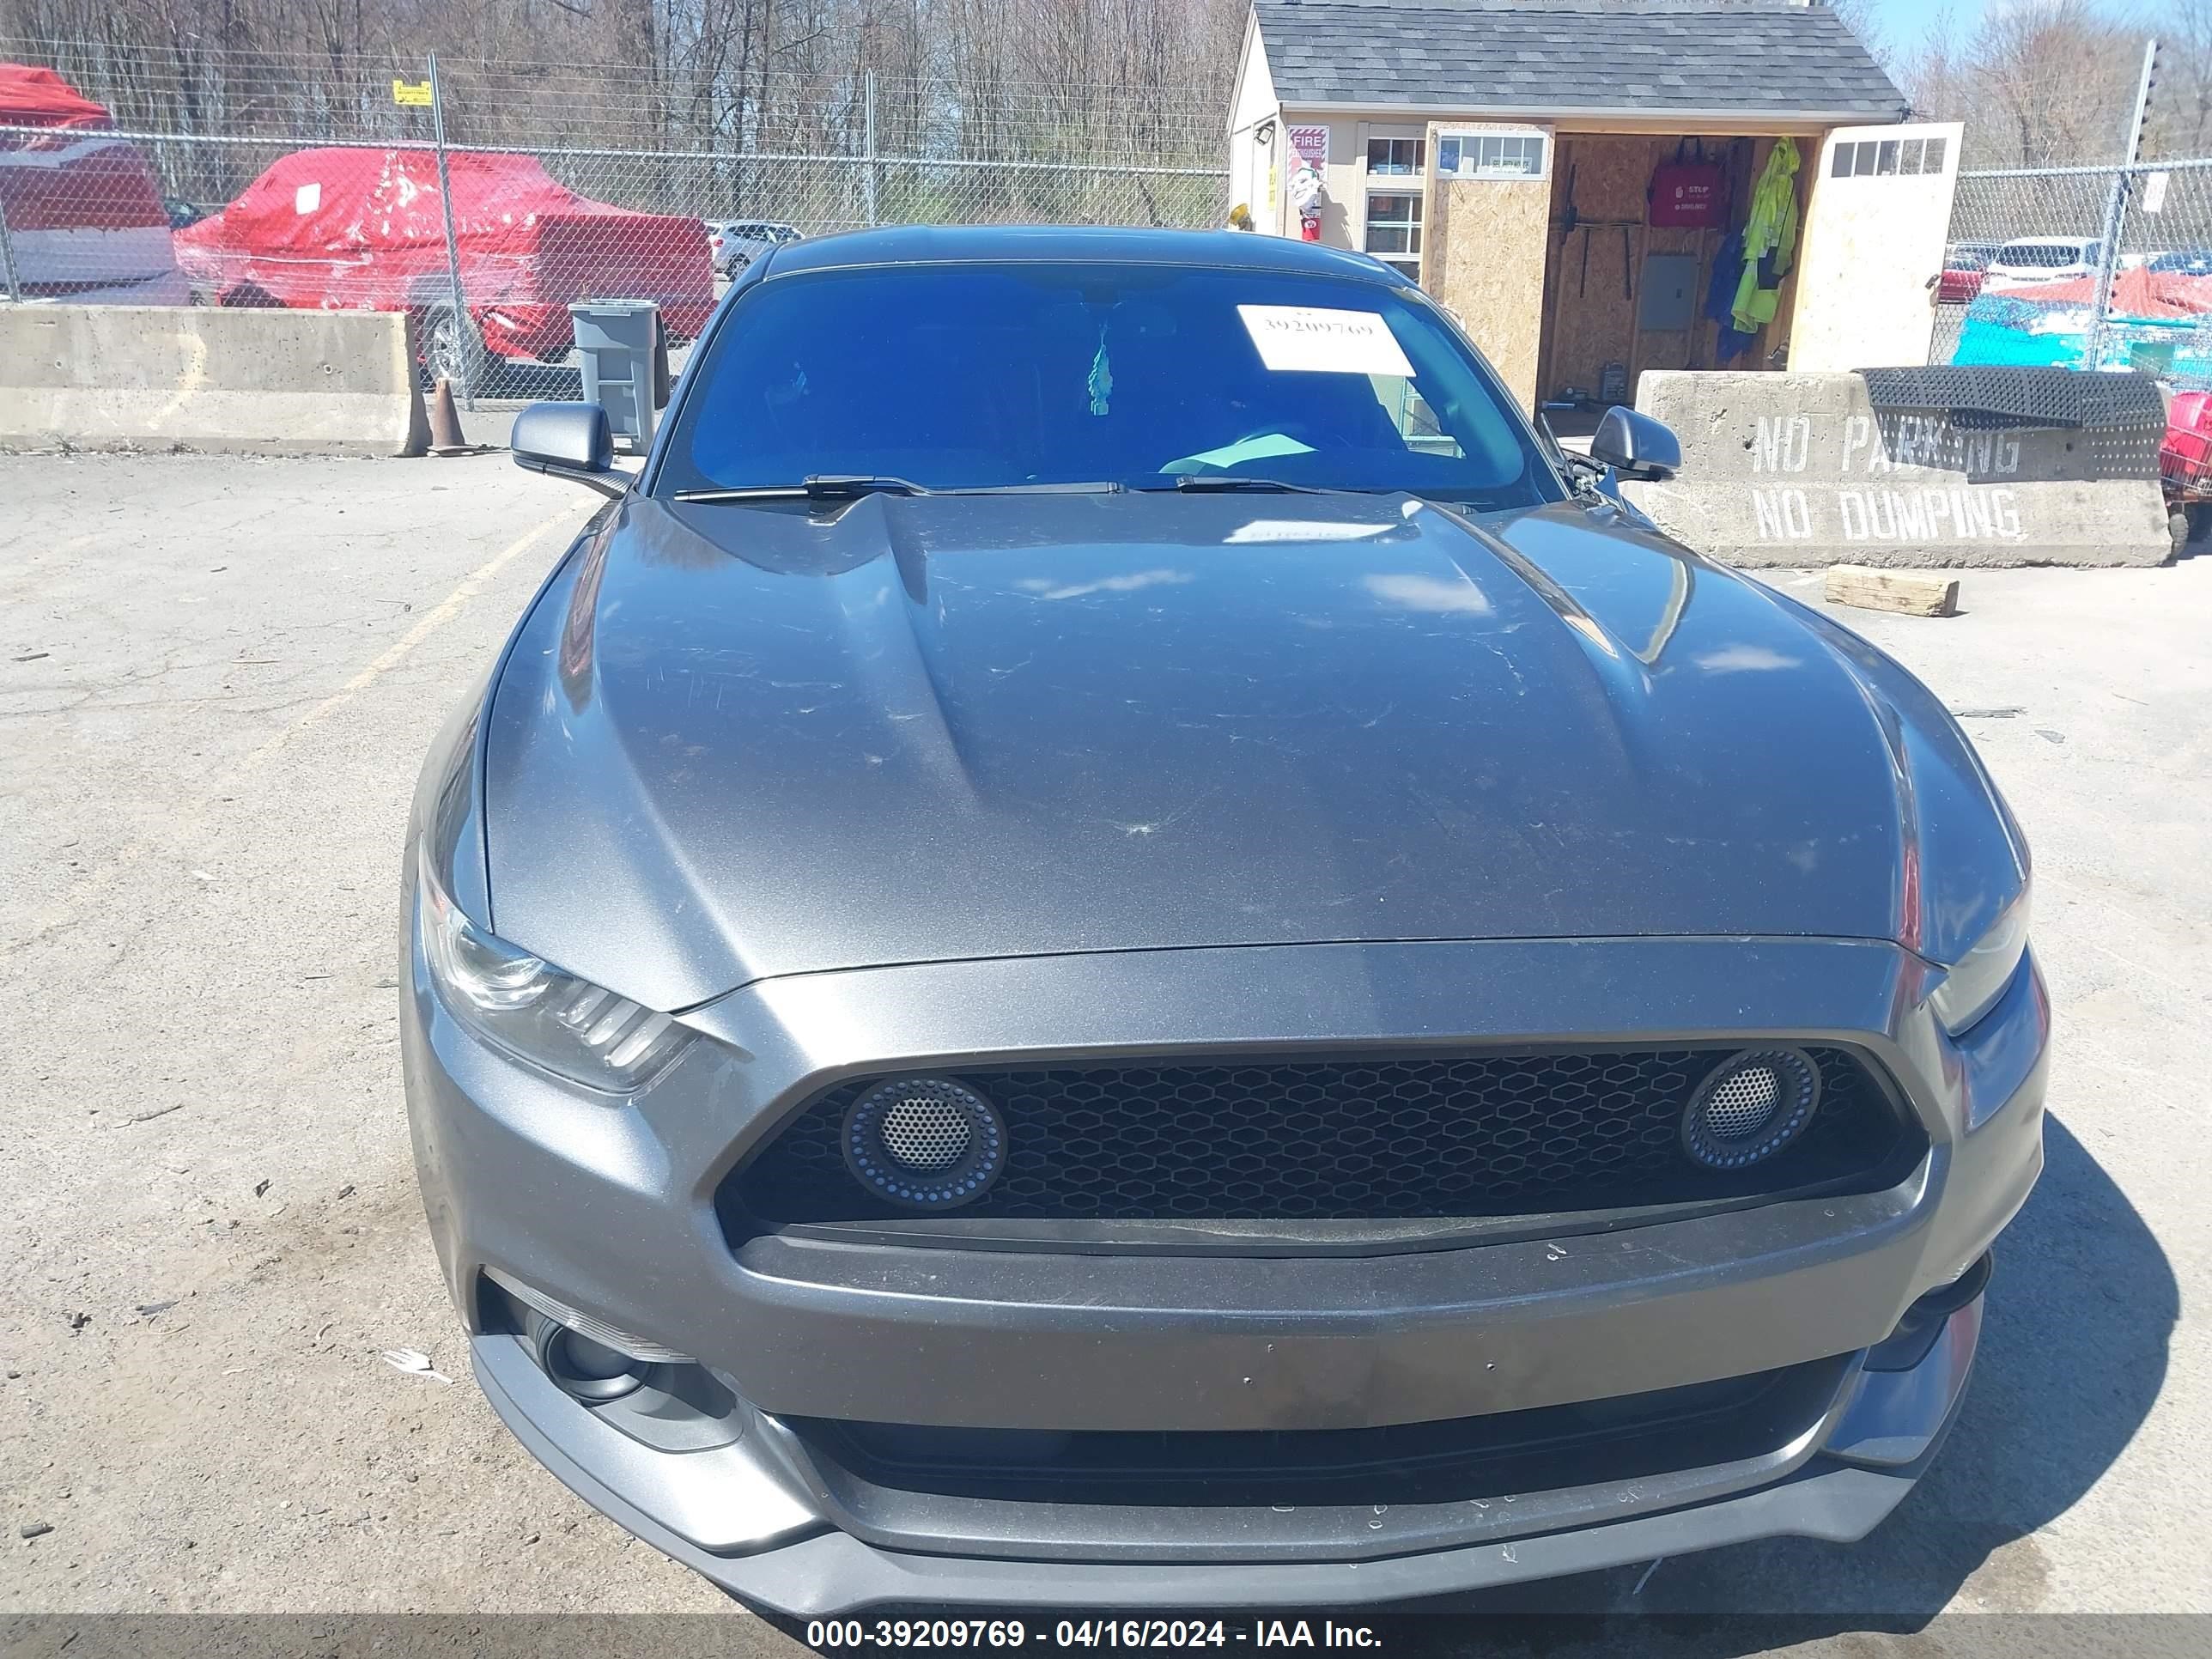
(400, 649)
(98, 882)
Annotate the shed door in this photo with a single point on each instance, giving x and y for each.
(1875, 234)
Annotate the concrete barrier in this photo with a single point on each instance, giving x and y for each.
(190, 377)
(1809, 469)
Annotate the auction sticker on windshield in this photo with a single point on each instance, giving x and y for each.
(1307, 338)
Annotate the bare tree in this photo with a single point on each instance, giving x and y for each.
(2045, 83)
(1864, 20)
(2181, 122)
(737, 106)
(746, 73)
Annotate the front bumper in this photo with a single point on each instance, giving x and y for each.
(1838, 1482)
(608, 1206)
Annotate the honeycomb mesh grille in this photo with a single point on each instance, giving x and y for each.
(1742, 1104)
(925, 1131)
(1488, 1135)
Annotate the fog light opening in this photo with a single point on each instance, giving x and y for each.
(583, 1369)
(1750, 1107)
(1904, 1348)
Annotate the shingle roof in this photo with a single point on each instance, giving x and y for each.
(1535, 56)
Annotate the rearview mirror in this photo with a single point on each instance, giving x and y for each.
(1636, 445)
(567, 441)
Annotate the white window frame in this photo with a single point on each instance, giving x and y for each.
(1373, 137)
(1409, 259)
(1893, 158)
(1470, 143)
(1392, 184)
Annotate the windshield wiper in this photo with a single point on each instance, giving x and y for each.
(817, 487)
(1225, 482)
(1088, 487)
(842, 487)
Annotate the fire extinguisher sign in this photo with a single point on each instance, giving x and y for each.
(1308, 157)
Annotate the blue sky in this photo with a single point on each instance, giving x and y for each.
(1908, 20)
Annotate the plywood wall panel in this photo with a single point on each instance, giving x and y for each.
(1610, 174)
(1592, 314)
(1593, 322)
(1483, 258)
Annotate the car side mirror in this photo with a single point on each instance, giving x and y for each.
(567, 441)
(1636, 445)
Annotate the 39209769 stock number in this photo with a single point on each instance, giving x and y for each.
(829, 1634)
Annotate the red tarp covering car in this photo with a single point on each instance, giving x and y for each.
(84, 214)
(364, 230)
(2162, 295)
(34, 97)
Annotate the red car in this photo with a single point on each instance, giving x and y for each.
(83, 210)
(1964, 271)
(364, 230)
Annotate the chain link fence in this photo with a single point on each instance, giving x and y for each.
(2093, 267)
(482, 198)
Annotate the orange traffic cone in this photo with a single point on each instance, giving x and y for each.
(446, 422)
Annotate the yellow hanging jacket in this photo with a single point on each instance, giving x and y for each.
(1771, 230)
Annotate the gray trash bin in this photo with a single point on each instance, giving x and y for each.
(620, 345)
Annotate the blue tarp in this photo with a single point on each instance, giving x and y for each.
(2000, 329)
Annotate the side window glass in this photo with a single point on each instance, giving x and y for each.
(1419, 428)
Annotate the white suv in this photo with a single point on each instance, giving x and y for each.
(736, 243)
(2044, 259)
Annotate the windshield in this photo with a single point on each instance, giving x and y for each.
(976, 376)
(2050, 255)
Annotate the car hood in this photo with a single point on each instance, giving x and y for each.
(732, 741)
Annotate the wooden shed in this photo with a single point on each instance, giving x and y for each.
(1565, 176)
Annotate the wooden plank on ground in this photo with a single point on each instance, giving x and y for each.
(1911, 593)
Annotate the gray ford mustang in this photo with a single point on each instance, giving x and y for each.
(1109, 942)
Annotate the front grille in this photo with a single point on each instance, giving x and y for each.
(1629, 1438)
(1484, 1135)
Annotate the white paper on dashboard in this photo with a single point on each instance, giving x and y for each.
(1258, 448)
(1310, 339)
